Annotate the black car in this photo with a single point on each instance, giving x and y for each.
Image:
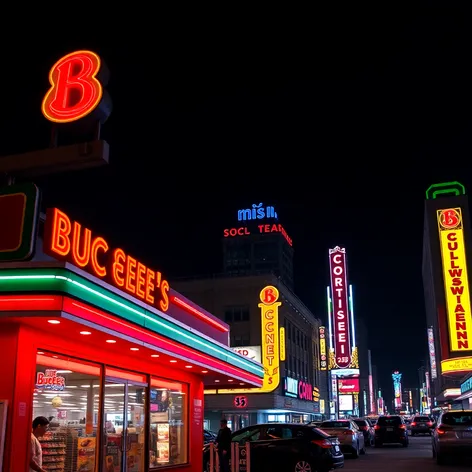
(291, 447)
(421, 425)
(367, 430)
(208, 436)
(391, 429)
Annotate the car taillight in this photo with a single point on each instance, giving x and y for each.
(348, 432)
(376, 426)
(402, 426)
(430, 423)
(364, 428)
(442, 429)
(324, 443)
(413, 423)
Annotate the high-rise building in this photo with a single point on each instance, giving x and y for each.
(447, 254)
(256, 243)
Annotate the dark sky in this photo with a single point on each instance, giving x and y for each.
(339, 120)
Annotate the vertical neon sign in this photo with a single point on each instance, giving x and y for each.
(340, 307)
(397, 389)
(432, 354)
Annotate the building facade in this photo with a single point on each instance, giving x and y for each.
(298, 392)
(446, 260)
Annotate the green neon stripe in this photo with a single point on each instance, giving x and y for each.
(67, 282)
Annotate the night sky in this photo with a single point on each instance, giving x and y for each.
(341, 123)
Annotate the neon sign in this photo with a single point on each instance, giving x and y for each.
(76, 89)
(257, 212)
(340, 305)
(397, 389)
(267, 228)
(456, 281)
(68, 240)
(270, 343)
(323, 356)
(432, 354)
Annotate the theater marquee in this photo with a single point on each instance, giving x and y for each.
(456, 283)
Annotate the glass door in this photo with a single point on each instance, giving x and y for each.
(124, 425)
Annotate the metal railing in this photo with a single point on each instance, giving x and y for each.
(240, 458)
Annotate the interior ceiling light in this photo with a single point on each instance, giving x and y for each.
(111, 341)
(217, 381)
(134, 348)
(173, 361)
(188, 366)
(40, 352)
(154, 355)
(85, 333)
(204, 371)
(230, 380)
(54, 321)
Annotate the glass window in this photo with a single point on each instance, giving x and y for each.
(251, 434)
(67, 393)
(169, 423)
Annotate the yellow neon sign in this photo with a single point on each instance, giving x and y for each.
(269, 306)
(456, 282)
(457, 365)
(282, 343)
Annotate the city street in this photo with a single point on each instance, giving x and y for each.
(415, 458)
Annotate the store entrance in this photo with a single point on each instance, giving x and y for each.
(124, 422)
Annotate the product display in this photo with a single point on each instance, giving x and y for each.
(54, 446)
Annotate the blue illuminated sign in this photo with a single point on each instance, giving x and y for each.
(467, 385)
(257, 212)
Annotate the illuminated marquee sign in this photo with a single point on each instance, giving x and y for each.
(323, 353)
(340, 306)
(257, 212)
(456, 282)
(68, 240)
(458, 365)
(76, 91)
(432, 354)
(49, 380)
(348, 386)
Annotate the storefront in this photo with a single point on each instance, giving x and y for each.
(121, 379)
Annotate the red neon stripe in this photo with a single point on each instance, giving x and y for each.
(91, 314)
(30, 302)
(193, 311)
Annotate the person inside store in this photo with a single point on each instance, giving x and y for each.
(40, 427)
(223, 443)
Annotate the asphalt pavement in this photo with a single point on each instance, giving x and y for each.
(417, 457)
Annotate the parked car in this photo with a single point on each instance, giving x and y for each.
(350, 436)
(390, 429)
(421, 425)
(453, 435)
(208, 436)
(367, 430)
(291, 447)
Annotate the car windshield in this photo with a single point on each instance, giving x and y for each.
(335, 424)
(389, 421)
(361, 422)
(457, 418)
(422, 419)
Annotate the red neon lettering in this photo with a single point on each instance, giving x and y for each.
(75, 91)
(59, 241)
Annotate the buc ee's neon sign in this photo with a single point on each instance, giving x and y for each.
(68, 240)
